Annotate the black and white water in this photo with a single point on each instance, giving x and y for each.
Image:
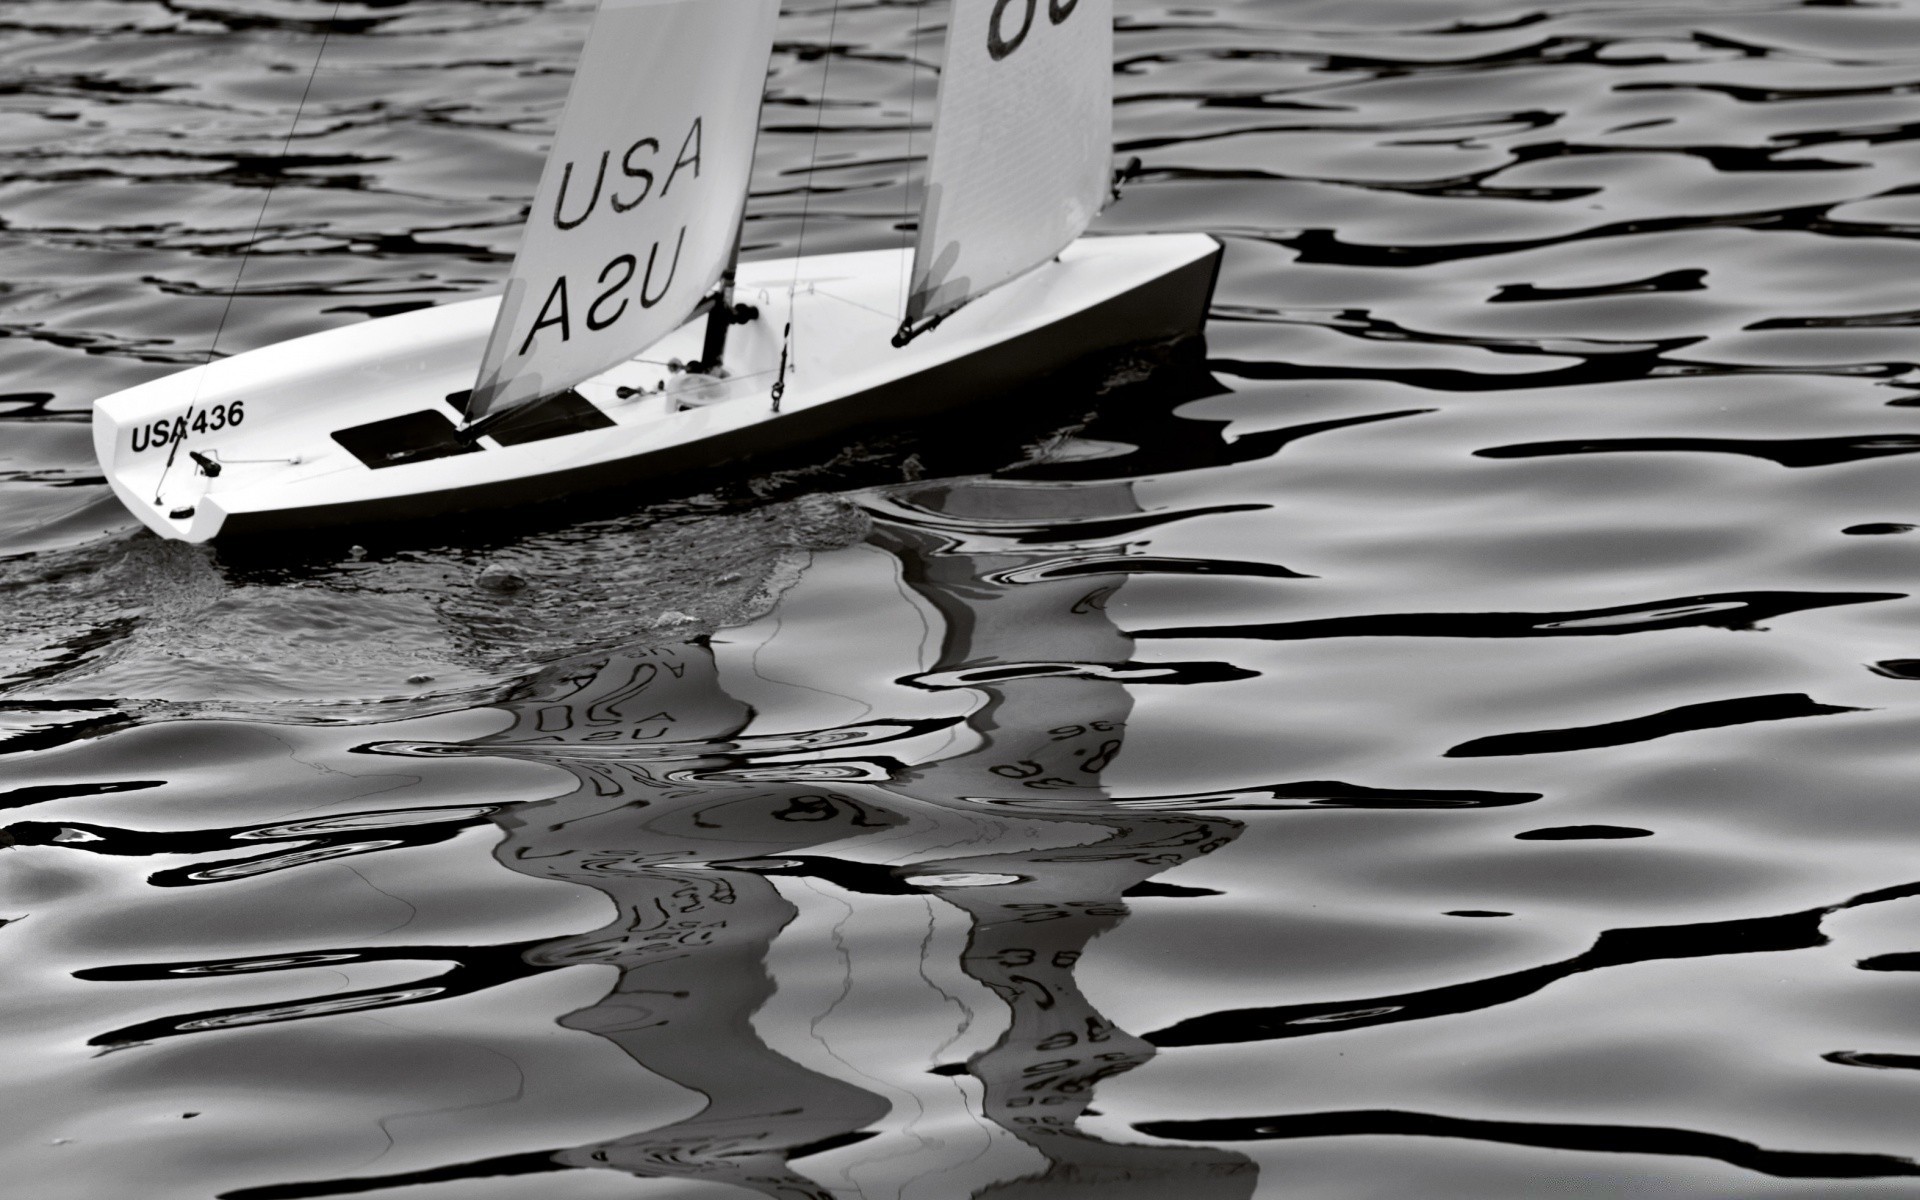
(1456, 738)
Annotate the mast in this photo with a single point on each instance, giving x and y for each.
(724, 314)
(637, 214)
(1022, 146)
(720, 318)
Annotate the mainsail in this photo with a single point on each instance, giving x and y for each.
(1022, 144)
(639, 205)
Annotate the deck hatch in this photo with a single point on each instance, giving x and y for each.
(561, 413)
(408, 438)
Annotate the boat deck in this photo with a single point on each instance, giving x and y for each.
(359, 423)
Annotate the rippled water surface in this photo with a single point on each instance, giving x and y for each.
(1454, 737)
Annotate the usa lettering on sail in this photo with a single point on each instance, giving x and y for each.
(610, 303)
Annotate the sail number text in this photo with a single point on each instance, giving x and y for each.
(212, 419)
(999, 44)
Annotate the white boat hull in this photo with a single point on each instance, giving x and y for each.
(353, 425)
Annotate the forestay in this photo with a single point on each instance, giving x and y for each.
(1022, 144)
(638, 207)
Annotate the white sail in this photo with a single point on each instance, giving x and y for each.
(638, 207)
(1022, 144)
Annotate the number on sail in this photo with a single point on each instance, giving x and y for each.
(999, 45)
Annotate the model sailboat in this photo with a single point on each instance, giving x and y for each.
(630, 345)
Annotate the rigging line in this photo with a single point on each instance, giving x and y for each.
(906, 182)
(813, 156)
(817, 291)
(631, 393)
(806, 200)
(286, 146)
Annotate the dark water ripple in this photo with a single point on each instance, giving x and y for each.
(1712, 714)
(1728, 610)
(849, 831)
(1615, 1139)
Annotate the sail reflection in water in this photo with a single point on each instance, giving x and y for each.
(858, 943)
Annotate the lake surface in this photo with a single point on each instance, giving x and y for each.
(1454, 737)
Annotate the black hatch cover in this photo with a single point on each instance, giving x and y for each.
(418, 436)
(560, 413)
(408, 438)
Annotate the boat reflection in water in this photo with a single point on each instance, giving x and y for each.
(858, 941)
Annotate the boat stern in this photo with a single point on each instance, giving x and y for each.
(141, 436)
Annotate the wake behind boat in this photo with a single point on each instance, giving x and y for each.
(630, 345)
